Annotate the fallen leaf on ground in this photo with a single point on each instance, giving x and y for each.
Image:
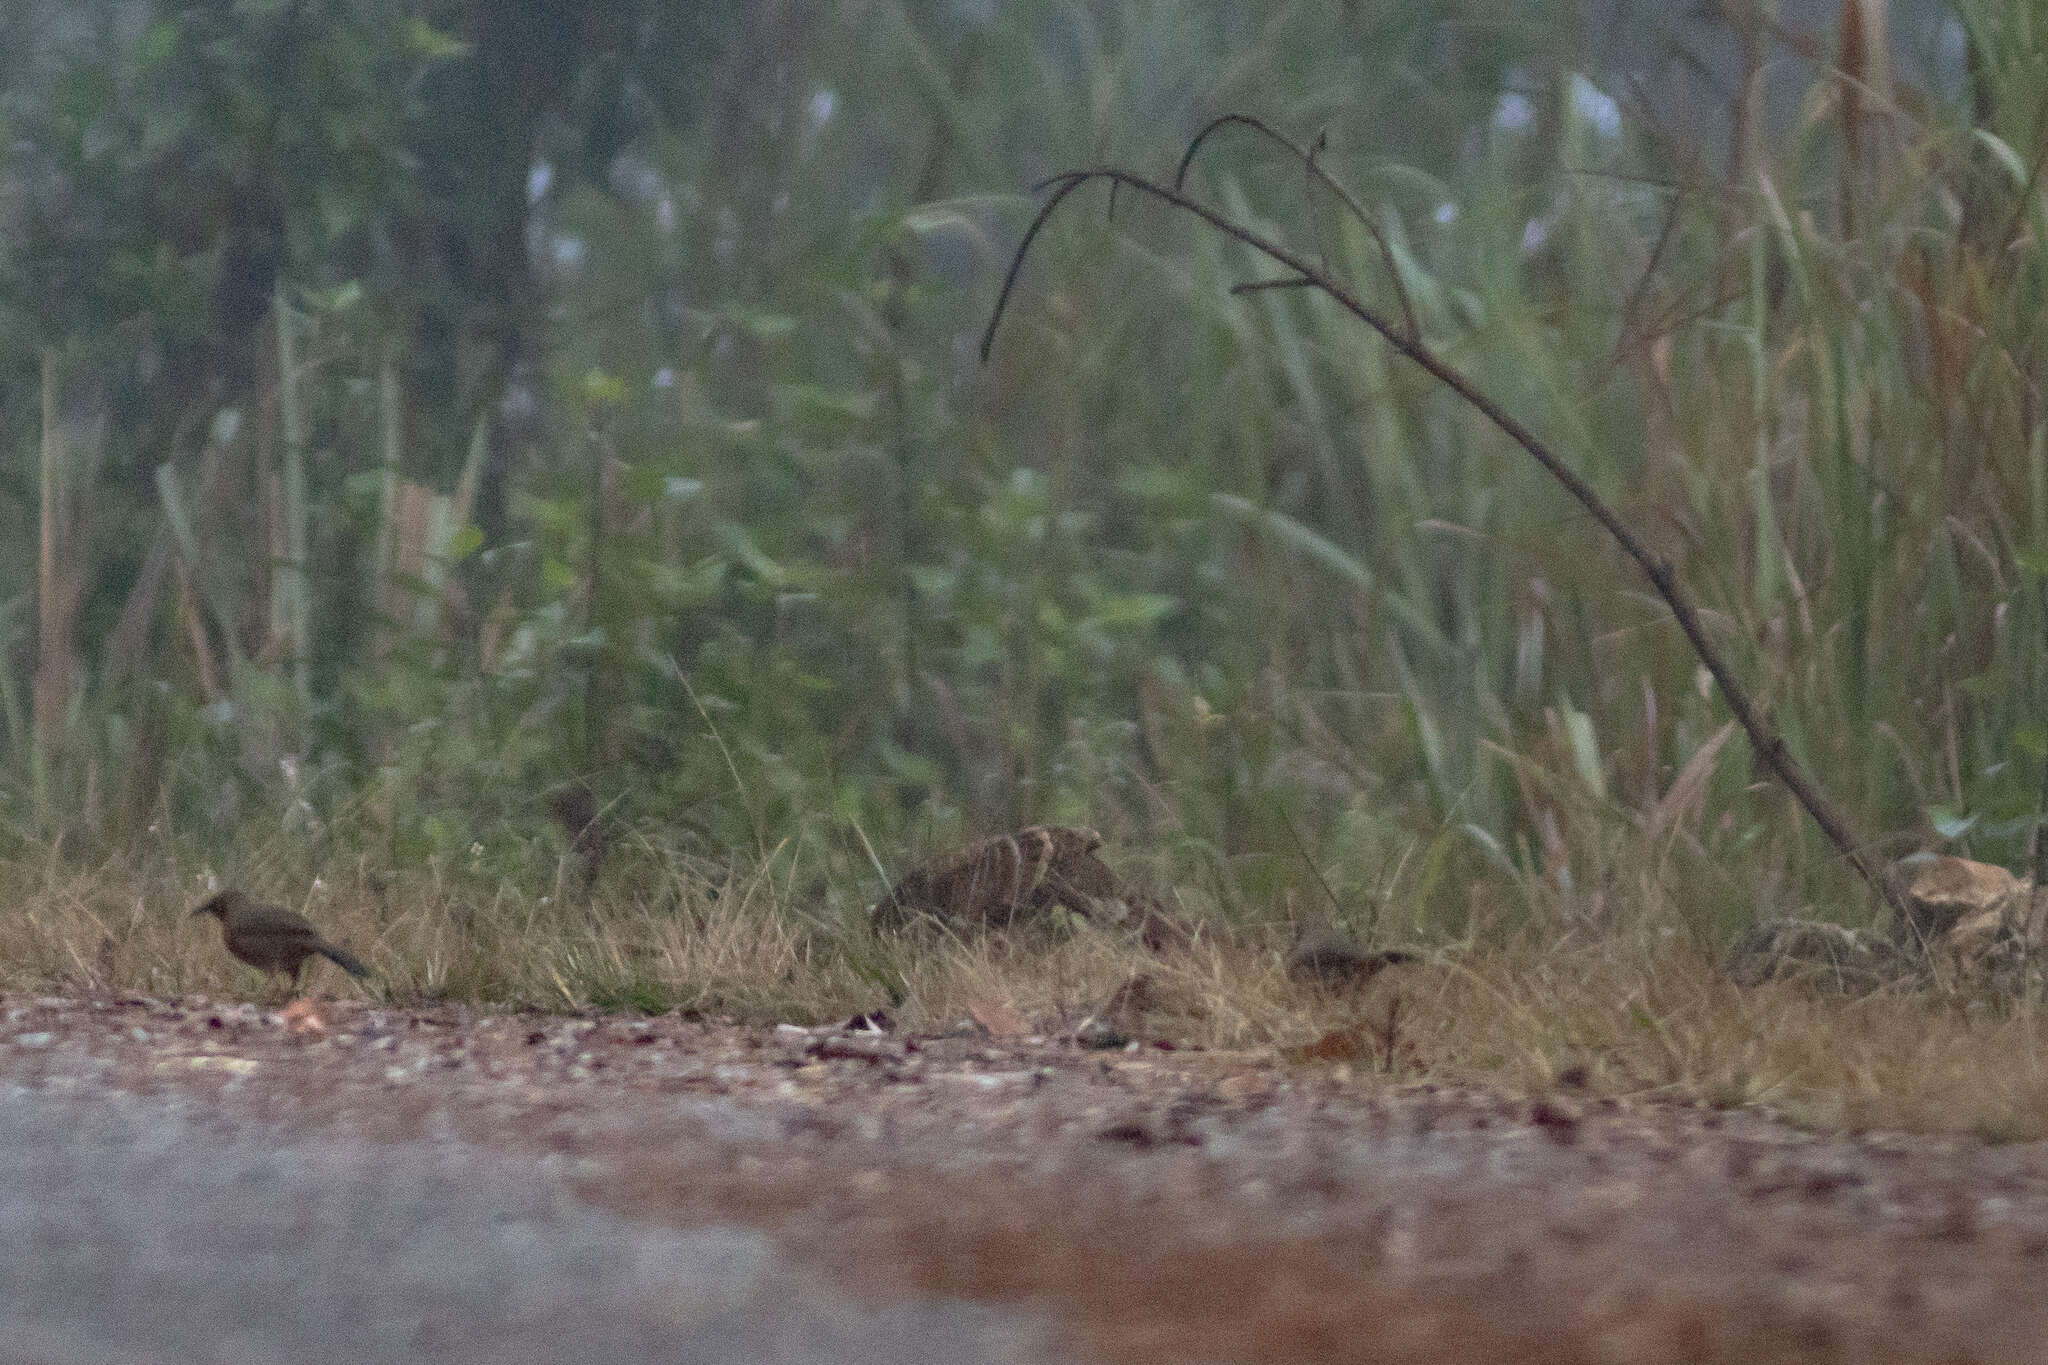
(1338, 1045)
(996, 1019)
(301, 1017)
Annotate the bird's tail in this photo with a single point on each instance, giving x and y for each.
(345, 960)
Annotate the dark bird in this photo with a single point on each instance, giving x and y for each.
(1328, 958)
(272, 938)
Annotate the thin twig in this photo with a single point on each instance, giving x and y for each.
(1336, 906)
(1314, 169)
(1628, 330)
(2041, 801)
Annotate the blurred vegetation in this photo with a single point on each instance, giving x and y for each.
(415, 408)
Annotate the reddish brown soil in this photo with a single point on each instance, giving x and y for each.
(1166, 1205)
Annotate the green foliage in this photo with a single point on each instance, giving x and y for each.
(627, 426)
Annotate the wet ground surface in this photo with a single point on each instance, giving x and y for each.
(132, 1229)
(138, 1230)
(185, 1181)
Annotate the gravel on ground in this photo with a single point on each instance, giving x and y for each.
(188, 1180)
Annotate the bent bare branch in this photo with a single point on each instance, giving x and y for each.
(1768, 745)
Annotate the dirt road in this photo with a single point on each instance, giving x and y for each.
(186, 1182)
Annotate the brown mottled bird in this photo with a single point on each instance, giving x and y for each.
(1326, 957)
(273, 938)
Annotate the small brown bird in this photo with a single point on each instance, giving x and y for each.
(1327, 958)
(272, 938)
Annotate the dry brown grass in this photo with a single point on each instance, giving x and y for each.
(1627, 1013)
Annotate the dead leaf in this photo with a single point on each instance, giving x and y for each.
(301, 1017)
(1689, 786)
(996, 1019)
(1338, 1045)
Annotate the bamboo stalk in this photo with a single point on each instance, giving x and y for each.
(48, 676)
(447, 517)
(178, 518)
(292, 605)
(392, 429)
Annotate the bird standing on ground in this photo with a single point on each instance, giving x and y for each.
(272, 938)
(1325, 957)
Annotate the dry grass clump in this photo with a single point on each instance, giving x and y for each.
(1622, 1017)
(1626, 1013)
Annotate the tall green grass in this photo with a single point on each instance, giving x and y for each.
(1207, 570)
